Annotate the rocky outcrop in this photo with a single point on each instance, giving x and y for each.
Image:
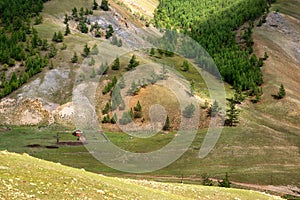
(34, 112)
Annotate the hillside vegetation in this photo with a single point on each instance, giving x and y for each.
(213, 25)
(23, 177)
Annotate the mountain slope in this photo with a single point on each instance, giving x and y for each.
(23, 177)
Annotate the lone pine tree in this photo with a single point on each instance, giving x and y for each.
(281, 92)
(232, 114)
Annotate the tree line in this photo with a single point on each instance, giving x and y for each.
(20, 44)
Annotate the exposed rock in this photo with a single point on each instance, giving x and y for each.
(34, 112)
(64, 114)
(24, 112)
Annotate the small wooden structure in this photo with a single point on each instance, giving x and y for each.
(79, 134)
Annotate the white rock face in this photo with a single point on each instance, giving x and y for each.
(34, 112)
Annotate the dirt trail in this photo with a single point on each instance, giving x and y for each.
(278, 189)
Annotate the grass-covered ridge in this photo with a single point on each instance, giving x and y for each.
(23, 177)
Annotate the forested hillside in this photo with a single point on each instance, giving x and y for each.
(22, 53)
(213, 23)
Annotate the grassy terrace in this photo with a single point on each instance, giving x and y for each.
(246, 159)
(55, 181)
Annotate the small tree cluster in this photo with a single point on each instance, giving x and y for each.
(163, 73)
(126, 118)
(134, 89)
(103, 69)
(109, 31)
(225, 182)
(107, 119)
(95, 5)
(206, 181)
(58, 37)
(185, 66)
(110, 86)
(116, 42)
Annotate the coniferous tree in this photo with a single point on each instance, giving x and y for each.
(214, 109)
(206, 181)
(133, 63)
(189, 111)
(104, 5)
(192, 87)
(134, 89)
(106, 109)
(75, 13)
(92, 61)
(126, 118)
(120, 43)
(66, 19)
(225, 182)
(281, 92)
(114, 40)
(74, 58)
(54, 38)
(109, 32)
(67, 31)
(138, 110)
(185, 66)
(232, 114)
(53, 51)
(166, 126)
(95, 50)
(86, 50)
(95, 5)
(164, 73)
(122, 83)
(152, 52)
(116, 64)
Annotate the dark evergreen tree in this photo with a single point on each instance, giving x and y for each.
(152, 52)
(95, 5)
(67, 31)
(66, 19)
(116, 64)
(74, 58)
(86, 50)
(232, 114)
(109, 32)
(281, 93)
(166, 126)
(133, 63)
(104, 5)
(106, 109)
